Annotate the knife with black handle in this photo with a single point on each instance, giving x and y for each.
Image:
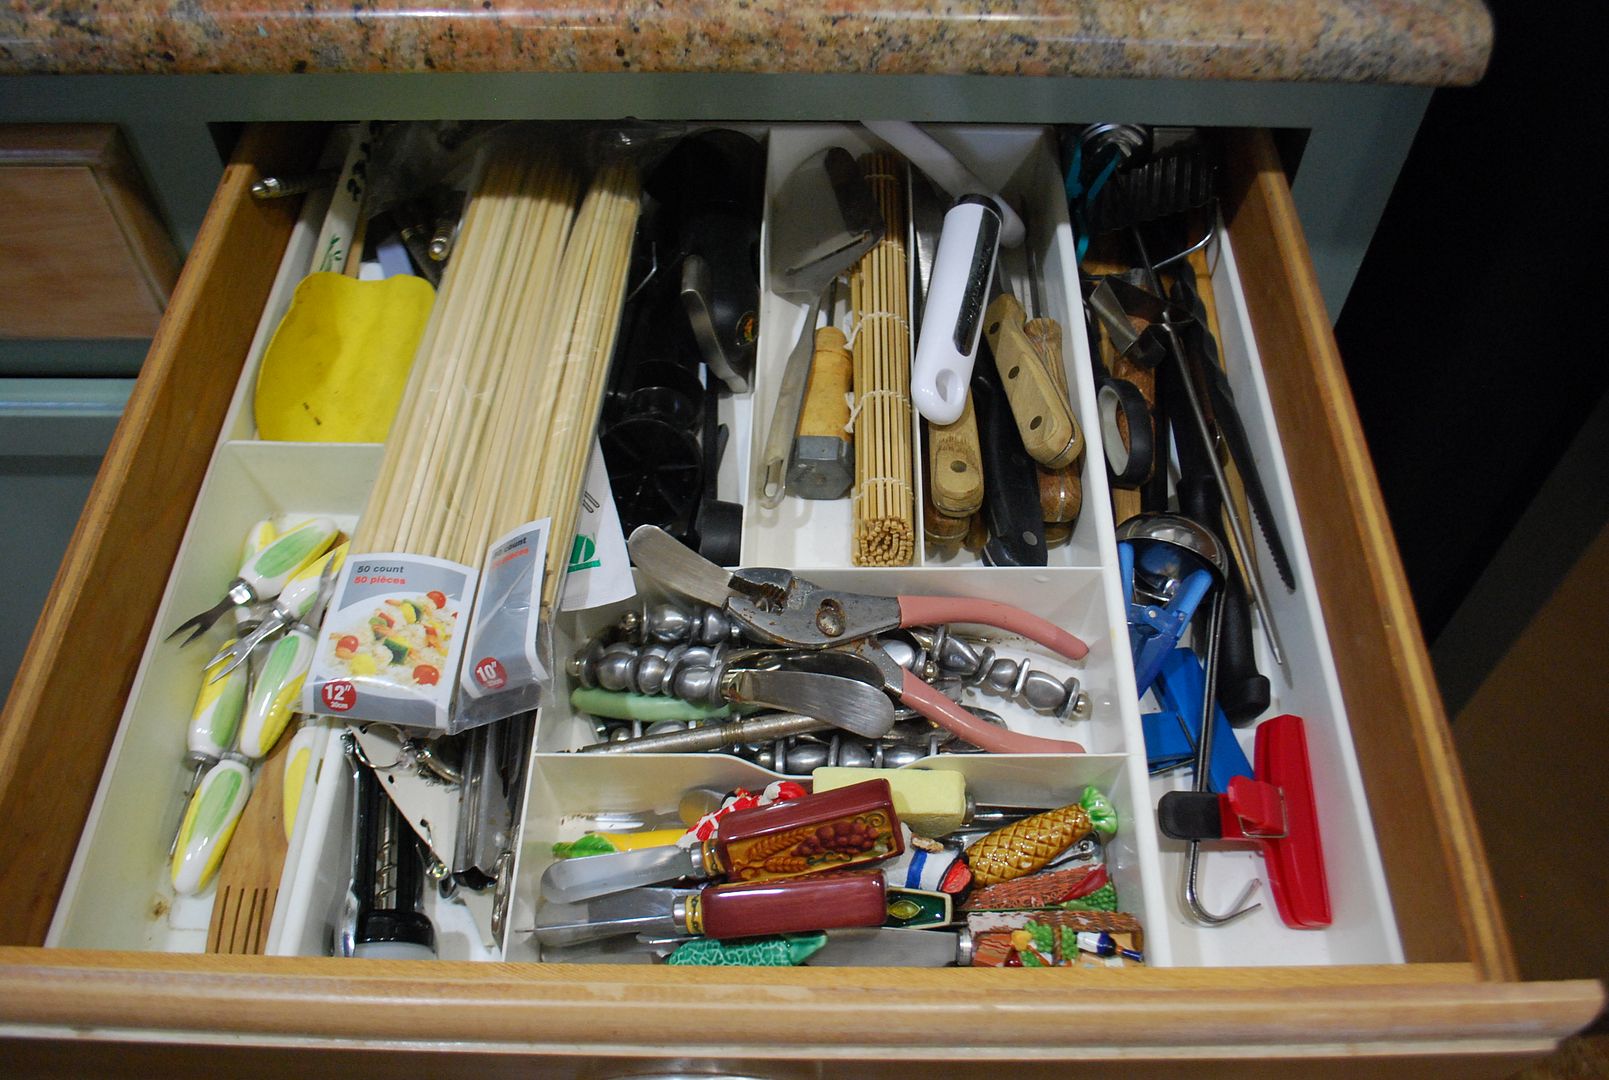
(1010, 479)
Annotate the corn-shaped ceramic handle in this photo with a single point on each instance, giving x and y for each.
(268, 571)
(276, 694)
(215, 720)
(209, 823)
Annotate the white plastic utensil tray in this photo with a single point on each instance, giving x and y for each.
(117, 894)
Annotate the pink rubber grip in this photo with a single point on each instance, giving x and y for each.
(953, 718)
(934, 610)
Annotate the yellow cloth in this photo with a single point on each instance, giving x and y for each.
(337, 365)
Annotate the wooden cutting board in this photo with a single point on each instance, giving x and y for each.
(248, 880)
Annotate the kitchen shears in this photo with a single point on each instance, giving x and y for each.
(781, 608)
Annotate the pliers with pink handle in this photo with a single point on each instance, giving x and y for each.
(779, 607)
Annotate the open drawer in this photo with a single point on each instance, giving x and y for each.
(1453, 1000)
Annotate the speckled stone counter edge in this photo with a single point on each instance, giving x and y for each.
(1409, 42)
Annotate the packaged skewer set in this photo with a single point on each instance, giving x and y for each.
(801, 544)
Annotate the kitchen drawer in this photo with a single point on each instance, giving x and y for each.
(1454, 1001)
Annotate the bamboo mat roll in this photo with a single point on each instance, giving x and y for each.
(884, 495)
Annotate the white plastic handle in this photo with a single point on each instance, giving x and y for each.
(946, 170)
(952, 321)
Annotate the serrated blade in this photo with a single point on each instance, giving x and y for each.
(573, 880)
(1226, 417)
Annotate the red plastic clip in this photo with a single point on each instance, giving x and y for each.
(1293, 852)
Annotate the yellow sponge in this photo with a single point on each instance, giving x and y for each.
(932, 802)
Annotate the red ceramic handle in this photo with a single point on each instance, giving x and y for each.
(825, 902)
(952, 717)
(834, 830)
(934, 610)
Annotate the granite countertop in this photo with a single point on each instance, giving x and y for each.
(1423, 42)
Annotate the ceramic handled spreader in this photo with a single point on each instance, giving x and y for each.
(824, 902)
(838, 830)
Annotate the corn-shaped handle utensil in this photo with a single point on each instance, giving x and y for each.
(1024, 846)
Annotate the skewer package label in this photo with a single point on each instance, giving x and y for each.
(600, 566)
(504, 672)
(392, 642)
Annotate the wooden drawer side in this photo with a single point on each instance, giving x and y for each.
(64, 707)
(1440, 884)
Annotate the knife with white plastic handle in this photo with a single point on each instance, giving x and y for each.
(952, 320)
(209, 823)
(946, 170)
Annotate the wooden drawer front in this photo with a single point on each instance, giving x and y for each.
(84, 251)
(1457, 990)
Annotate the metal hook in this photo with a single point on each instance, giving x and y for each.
(653, 268)
(1209, 707)
(1187, 252)
(1192, 898)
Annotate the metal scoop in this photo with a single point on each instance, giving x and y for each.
(828, 218)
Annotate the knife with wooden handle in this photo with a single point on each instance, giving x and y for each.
(955, 464)
(1044, 418)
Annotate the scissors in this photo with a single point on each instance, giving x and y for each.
(781, 608)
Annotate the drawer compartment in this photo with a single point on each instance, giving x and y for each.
(544, 1007)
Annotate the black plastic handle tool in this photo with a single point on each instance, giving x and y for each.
(1010, 480)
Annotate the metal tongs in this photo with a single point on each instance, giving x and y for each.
(781, 608)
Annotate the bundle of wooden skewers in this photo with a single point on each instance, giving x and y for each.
(495, 429)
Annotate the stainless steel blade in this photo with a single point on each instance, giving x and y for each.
(678, 567)
(640, 910)
(886, 947)
(848, 703)
(572, 880)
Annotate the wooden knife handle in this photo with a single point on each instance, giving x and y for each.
(825, 902)
(1039, 405)
(955, 464)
